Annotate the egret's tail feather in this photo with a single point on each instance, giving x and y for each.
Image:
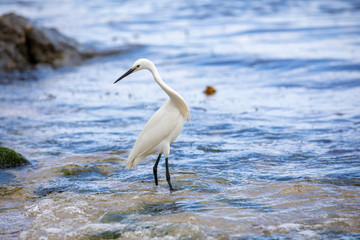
(132, 162)
(128, 166)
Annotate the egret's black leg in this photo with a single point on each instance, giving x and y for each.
(155, 169)
(168, 174)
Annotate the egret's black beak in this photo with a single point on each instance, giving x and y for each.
(125, 74)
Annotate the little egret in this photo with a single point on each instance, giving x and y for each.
(162, 128)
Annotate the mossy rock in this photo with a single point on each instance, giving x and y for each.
(9, 158)
(78, 170)
(106, 235)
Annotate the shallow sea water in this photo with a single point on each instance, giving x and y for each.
(274, 154)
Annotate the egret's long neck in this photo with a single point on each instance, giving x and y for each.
(174, 96)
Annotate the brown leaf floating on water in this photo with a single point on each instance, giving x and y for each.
(209, 90)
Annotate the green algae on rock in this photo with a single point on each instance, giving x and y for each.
(9, 158)
(76, 170)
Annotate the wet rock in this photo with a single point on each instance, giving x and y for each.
(9, 158)
(155, 209)
(76, 170)
(47, 190)
(209, 149)
(24, 45)
(113, 217)
(106, 235)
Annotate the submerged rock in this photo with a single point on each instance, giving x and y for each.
(8, 190)
(24, 45)
(111, 234)
(79, 170)
(9, 158)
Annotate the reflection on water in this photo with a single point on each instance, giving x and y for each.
(273, 154)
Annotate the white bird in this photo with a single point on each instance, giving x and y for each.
(162, 128)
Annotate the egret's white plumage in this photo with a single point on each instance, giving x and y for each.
(163, 127)
(159, 132)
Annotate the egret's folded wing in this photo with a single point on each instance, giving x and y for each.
(158, 128)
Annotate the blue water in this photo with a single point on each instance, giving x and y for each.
(274, 154)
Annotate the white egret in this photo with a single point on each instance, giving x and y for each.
(162, 128)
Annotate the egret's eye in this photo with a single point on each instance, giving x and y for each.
(138, 66)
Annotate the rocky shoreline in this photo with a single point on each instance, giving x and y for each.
(24, 46)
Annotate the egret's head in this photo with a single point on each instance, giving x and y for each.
(139, 64)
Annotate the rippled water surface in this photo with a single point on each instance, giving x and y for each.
(274, 154)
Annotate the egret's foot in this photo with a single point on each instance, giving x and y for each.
(171, 188)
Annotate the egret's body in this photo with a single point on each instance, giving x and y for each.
(162, 128)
